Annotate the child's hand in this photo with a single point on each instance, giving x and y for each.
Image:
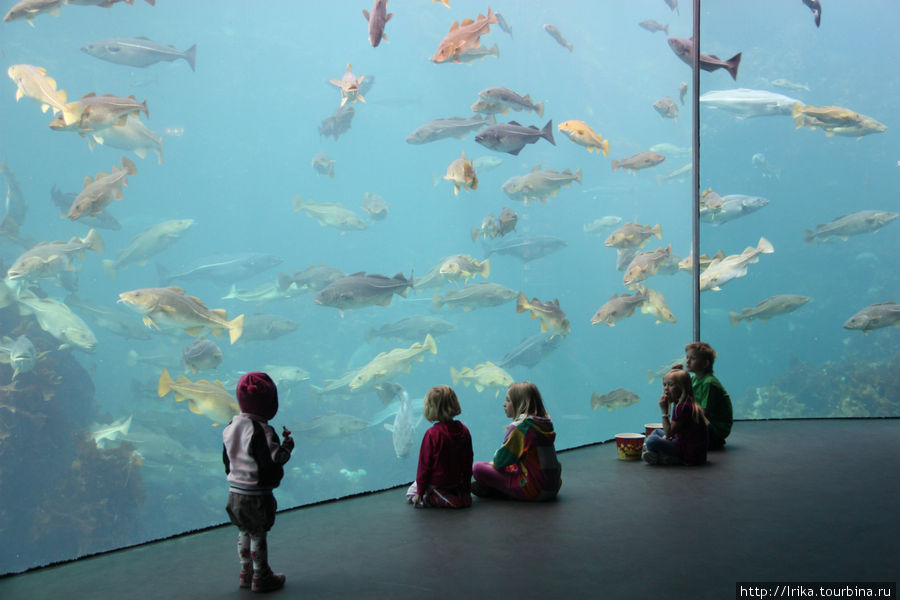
(288, 441)
(664, 402)
(415, 501)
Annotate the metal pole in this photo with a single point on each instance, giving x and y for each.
(695, 170)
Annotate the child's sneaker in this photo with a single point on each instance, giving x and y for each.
(650, 457)
(246, 578)
(267, 581)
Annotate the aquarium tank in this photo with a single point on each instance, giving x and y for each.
(483, 194)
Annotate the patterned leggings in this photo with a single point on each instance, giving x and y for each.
(255, 549)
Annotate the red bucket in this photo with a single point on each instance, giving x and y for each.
(650, 427)
(629, 445)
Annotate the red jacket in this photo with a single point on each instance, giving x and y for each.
(445, 457)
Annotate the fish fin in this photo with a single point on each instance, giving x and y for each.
(165, 383)
(150, 323)
(192, 406)
(366, 14)
(194, 331)
(235, 328)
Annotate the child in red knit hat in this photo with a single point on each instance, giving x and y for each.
(254, 459)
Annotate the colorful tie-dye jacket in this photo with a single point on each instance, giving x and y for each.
(529, 452)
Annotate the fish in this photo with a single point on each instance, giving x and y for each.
(312, 279)
(286, 376)
(330, 425)
(349, 86)
(483, 376)
(747, 103)
(14, 202)
(670, 150)
(682, 91)
(260, 327)
(722, 270)
(656, 305)
(539, 184)
(205, 398)
(617, 308)
(678, 175)
(666, 108)
(641, 160)
(377, 19)
(49, 259)
(484, 107)
(789, 85)
(766, 168)
(450, 127)
(265, 292)
(433, 278)
(474, 296)
(138, 52)
(462, 174)
(132, 135)
(387, 365)
(463, 267)
(94, 113)
(580, 133)
(20, 353)
(98, 193)
(493, 228)
(109, 318)
(29, 9)
(866, 126)
(480, 53)
(526, 248)
(875, 316)
(835, 116)
(816, 7)
(556, 35)
(403, 428)
(652, 26)
(58, 320)
(780, 304)
(463, 36)
(360, 290)
(672, 4)
(618, 398)
(150, 242)
(116, 430)
(163, 359)
(411, 328)
(201, 355)
(684, 49)
(663, 369)
(632, 235)
(733, 206)
(375, 206)
(512, 137)
(63, 201)
(170, 307)
(486, 163)
(598, 226)
(323, 165)
(224, 268)
(645, 264)
(553, 319)
(507, 97)
(33, 82)
(531, 350)
(338, 123)
(503, 24)
(330, 214)
(855, 223)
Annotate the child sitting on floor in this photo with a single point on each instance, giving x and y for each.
(685, 437)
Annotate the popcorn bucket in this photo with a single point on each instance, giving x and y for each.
(629, 445)
(650, 427)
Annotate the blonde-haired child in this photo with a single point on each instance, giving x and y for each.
(444, 475)
(685, 436)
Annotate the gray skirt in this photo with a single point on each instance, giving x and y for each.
(253, 514)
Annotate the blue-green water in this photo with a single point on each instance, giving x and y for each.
(239, 136)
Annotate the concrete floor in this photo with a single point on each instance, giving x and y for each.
(787, 501)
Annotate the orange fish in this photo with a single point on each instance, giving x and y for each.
(463, 36)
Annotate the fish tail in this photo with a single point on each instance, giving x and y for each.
(731, 65)
(476, 233)
(485, 268)
(539, 108)
(165, 383)
(298, 203)
(547, 132)
(190, 55)
(595, 398)
(94, 241)
(578, 175)
(765, 246)
(145, 109)
(491, 17)
(235, 328)
(734, 318)
(129, 166)
(604, 146)
(521, 303)
(615, 165)
(430, 344)
(454, 376)
(808, 236)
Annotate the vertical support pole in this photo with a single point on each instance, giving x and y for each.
(695, 169)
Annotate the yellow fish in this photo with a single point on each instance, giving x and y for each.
(462, 174)
(580, 133)
(204, 398)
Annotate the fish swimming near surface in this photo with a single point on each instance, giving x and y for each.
(531, 350)
(855, 223)
(580, 133)
(148, 243)
(507, 97)
(463, 36)
(98, 193)
(92, 113)
(617, 308)
(618, 398)
(526, 248)
(377, 19)
(349, 86)
(633, 235)
(684, 49)
(49, 259)
(63, 201)
(387, 365)
(132, 135)
(331, 214)
(33, 82)
(403, 428)
(209, 399)
(512, 137)
(474, 296)
(875, 316)
(225, 268)
(451, 127)
(641, 160)
(747, 103)
(170, 307)
(503, 24)
(201, 355)
(553, 319)
(722, 270)
(652, 26)
(733, 206)
(558, 36)
(138, 52)
(483, 376)
(645, 264)
(780, 304)
(472, 54)
(360, 290)
(29, 9)
(816, 7)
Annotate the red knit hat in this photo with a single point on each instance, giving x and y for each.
(257, 395)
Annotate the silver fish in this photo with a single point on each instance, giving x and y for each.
(138, 52)
(377, 19)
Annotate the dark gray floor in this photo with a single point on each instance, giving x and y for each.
(787, 501)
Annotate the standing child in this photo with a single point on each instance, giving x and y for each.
(444, 476)
(684, 437)
(710, 395)
(253, 459)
